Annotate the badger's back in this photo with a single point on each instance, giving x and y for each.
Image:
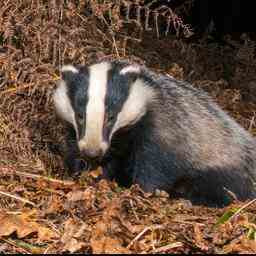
(210, 155)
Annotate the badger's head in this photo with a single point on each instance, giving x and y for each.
(100, 100)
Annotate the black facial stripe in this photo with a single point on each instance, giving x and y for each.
(118, 87)
(77, 84)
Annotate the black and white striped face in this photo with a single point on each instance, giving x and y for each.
(99, 100)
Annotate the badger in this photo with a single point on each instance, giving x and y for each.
(150, 129)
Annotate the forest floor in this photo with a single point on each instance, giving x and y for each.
(42, 210)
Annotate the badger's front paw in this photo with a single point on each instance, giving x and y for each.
(79, 166)
(76, 166)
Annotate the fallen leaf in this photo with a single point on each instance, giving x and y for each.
(88, 197)
(72, 232)
(80, 195)
(10, 223)
(55, 205)
(96, 173)
(241, 246)
(101, 243)
(45, 234)
(75, 196)
(15, 223)
(73, 246)
(106, 233)
(69, 230)
(107, 245)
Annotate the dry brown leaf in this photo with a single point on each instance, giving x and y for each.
(73, 246)
(81, 195)
(72, 231)
(69, 230)
(81, 230)
(55, 205)
(102, 243)
(241, 220)
(88, 197)
(241, 246)
(96, 173)
(106, 233)
(45, 234)
(10, 223)
(75, 196)
(15, 223)
(105, 245)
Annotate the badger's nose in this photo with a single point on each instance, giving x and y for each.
(93, 154)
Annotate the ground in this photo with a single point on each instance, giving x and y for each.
(42, 209)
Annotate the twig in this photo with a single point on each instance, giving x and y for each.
(36, 176)
(132, 207)
(8, 241)
(167, 247)
(50, 224)
(188, 222)
(242, 208)
(252, 122)
(18, 198)
(142, 233)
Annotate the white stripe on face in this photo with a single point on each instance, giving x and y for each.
(95, 110)
(63, 105)
(135, 106)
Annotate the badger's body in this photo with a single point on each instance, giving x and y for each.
(155, 131)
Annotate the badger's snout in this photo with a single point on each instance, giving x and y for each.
(93, 151)
(92, 154)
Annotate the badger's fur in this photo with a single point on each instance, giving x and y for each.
(155, 131)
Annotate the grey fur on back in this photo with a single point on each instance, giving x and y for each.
(206, 150)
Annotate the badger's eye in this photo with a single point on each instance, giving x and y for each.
(80, 117)
(108, 120)
(111, 118)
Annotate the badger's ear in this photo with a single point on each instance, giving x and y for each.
(131, 69)
(68, 73)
